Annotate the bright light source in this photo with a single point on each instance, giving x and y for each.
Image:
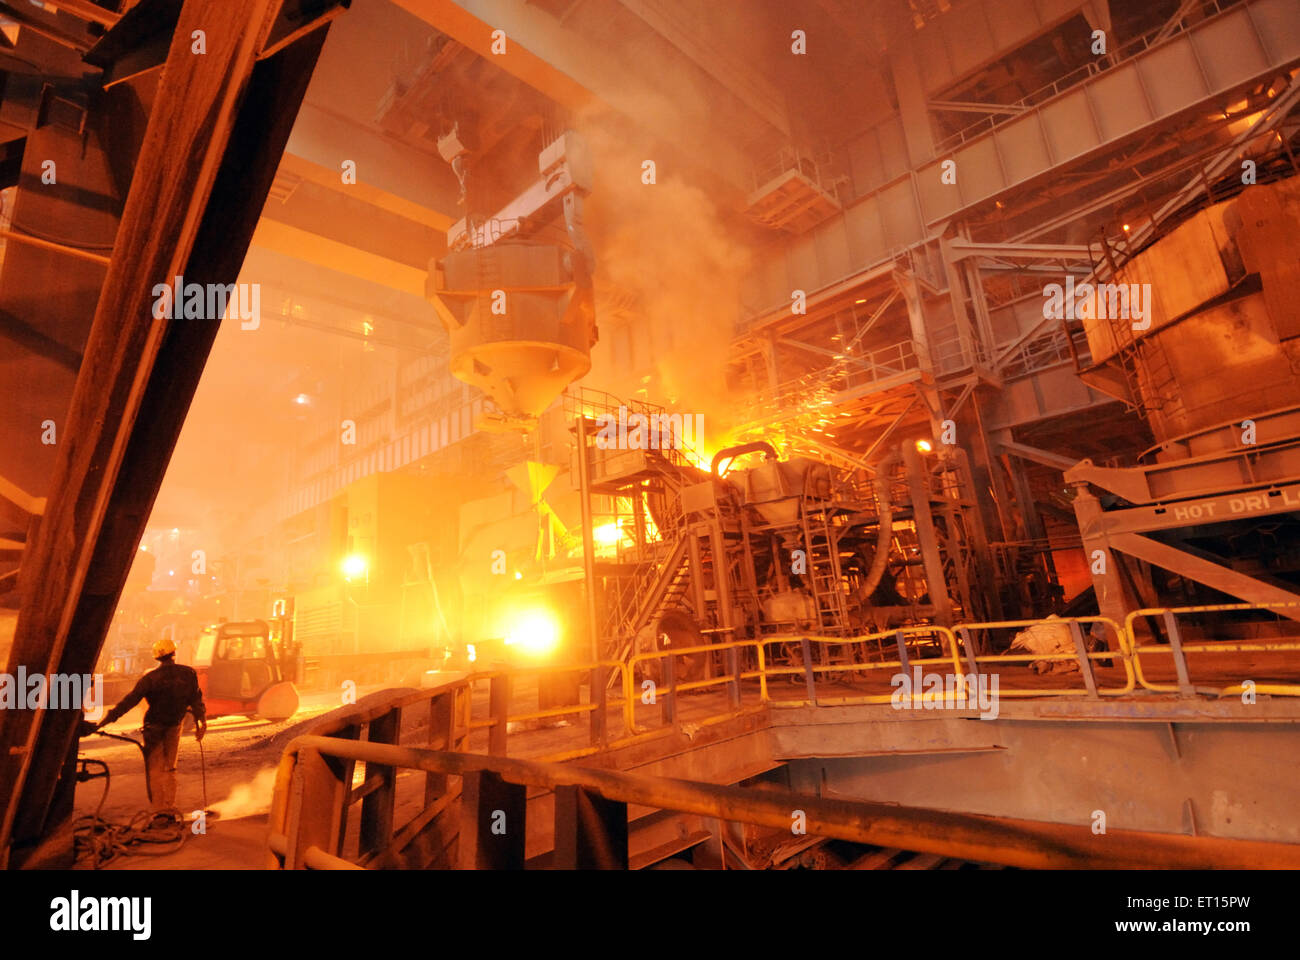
(924, 446)
(518, 575)
(471, 652)
(607, 535)
(534, 632)
(1126, 228)
(355, 565)
(302, 399)
(859, 301)
(171, 573)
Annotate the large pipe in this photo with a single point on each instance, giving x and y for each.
(730, 453)
(885, 514)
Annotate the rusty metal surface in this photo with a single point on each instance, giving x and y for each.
(1015, 842)
(140, 371)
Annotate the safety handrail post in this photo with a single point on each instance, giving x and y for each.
(900, 639)
(628, 673)
(377, 806)
(442, 723)
(499, 711)
(318, 824)
(952, 645)
(805, 648)
(597, 721)
(968, 644)
(1185, 688)
(1085, 662)
(668, 702)
(733, 667)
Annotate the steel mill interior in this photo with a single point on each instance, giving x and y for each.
(649, 434)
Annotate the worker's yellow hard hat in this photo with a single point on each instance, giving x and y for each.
(163, 648)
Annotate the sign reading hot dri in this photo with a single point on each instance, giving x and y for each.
(1244, 504)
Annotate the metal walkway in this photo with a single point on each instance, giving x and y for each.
(444, 777)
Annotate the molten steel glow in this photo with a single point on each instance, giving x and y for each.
(354, 565)
(534, 632)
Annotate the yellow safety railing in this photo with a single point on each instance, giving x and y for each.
(1177, 650)
(500, 716)
(961, 657)
(733, 677)
(1081, 656)
(922, 634)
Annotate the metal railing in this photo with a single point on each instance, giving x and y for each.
(964, 650)
(966, 654)
(596, 710)
(327, 814)
(1085, 659)
(667, 700)
(591, 826)
(315, 831)
(1092, 68)
(916, 637)
(1177, 650)
(962, 655)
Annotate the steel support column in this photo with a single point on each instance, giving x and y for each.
(919, 489)
(218, 125)
(493, 824)
(590, 831)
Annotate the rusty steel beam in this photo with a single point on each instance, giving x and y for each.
(1212, 574)
(582, 76)
(493, 825)
(44, 26)
(89, 11)
(1013, 842)
(590, 831)
(218, 125)
(918, 485)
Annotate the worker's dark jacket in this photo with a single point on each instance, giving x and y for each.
(169, 689)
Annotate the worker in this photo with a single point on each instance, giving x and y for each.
(170, 689)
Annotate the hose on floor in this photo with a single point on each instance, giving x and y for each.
(97, 842)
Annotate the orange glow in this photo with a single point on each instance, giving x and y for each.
(355, 565)
(534, 632)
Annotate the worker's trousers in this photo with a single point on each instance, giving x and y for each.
(160, 747)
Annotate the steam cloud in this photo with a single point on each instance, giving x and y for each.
(665, 244)
(248, 799)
